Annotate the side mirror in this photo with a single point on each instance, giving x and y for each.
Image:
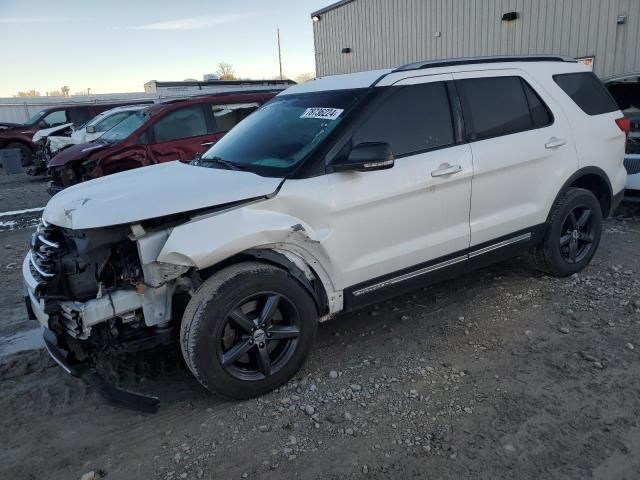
(366, 157)
(91, 129)
(42, 125)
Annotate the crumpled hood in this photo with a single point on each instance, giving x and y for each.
(152, 192)
(45, 132)
(77, 152)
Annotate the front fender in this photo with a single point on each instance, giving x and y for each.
(209, 240)
(205, 241)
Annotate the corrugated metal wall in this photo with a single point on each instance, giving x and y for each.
(387, 33)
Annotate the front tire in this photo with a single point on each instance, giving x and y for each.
(573, 235)
(247, 330)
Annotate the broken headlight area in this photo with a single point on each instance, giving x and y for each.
(101, 291)
(96, 292)
(71, 174)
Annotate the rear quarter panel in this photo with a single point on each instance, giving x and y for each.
(599, 142)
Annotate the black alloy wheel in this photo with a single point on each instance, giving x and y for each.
(259, 336)
(248, 329)
(577, 234)
(573, 234)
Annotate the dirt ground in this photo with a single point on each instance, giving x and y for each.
(501, 374)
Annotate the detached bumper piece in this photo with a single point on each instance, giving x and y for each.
(113, 395)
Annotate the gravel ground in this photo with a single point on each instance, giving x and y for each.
(22, 191)
(504, 373)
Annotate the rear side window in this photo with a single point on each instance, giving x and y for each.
(540, 113)
(499, 106)
(227, 116)
(588, 92)
(412, 119)
(182, 123)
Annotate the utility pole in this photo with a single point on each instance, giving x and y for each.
(279, 54)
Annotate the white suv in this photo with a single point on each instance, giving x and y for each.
(336, 194)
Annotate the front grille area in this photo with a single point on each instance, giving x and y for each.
(46, 249)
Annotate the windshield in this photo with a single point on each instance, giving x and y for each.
(111, 121)
(125, 128)
(34, 118)
(279, 135)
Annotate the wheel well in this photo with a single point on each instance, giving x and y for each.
(313, 286)
(20, 142)
(598, 186)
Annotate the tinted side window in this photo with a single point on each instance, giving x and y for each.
(587, 92)
(182, 123)
(413, 118)
(494, 106)
(540, 114)
(227, 116)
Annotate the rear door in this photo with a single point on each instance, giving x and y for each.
(179, 135)
(523, 151)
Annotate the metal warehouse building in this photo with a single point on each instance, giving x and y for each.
(355, 35)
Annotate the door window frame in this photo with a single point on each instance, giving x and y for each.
(342, 145)
(468, 133)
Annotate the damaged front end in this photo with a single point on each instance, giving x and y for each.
(41, 158)
(101, 290)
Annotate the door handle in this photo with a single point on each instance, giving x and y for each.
(555, 143)
(207, 144)
(445, 169)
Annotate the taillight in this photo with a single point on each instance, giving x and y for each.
(625, 125)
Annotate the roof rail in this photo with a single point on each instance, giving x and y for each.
(167, 100)
(448, 62)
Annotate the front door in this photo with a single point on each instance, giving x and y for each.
(391, 227)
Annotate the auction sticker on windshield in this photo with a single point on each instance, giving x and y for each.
(322, 113)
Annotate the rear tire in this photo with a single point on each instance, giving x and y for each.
(27, 154)
(247, 330)
(573, 235)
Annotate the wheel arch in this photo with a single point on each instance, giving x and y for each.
(297, 266)
(593, 179)
(19, 141)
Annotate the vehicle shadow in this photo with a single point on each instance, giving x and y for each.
(431, 310)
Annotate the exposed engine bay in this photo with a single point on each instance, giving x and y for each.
(101, 288)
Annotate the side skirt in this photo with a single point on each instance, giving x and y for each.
(478, 256)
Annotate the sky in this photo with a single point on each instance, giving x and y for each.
(118, 45)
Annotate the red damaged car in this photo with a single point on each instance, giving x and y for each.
(19, 135)
(172, 130)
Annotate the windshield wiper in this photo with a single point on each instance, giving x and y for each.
(226, 163)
